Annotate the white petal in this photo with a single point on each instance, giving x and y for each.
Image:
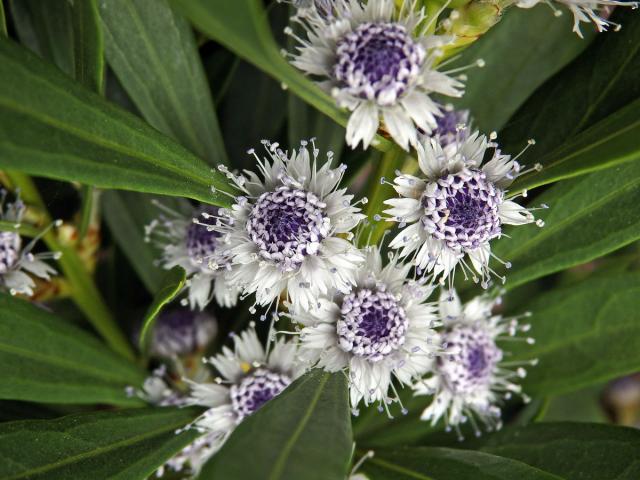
(362, 125)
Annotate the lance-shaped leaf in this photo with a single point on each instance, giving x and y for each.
(124, 445)
(305, 432)
(587, 218)
(602, 80)
(431, 463)
(520, 53)
(53, 127)
(152, 51)
(171, 285)
(45, 359)
(575, 451)
(585, 334)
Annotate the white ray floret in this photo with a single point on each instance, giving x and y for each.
(456, 206)
(472, 380)
(185, 240)
(585, 11)
(249, 378)
(381, 331)
(378, 62)
(17, 262)
(290, 229)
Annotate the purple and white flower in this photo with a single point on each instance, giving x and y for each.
(456, 207)
(181, 331)
(290, 230)
(585, 11)
(187, 241)
(17, 262)
(472, 378)
(378, 62)
(249, 378)
(381, 330)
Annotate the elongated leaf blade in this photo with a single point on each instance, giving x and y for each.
(152, 51)
(51, 126)
(602, 80)
(46, 360)
(125, 445)
(520, 53)
(612, 141)
(88, 45)
(587, 218)
(585, 334)
(171, 285)
(575, 451)
(284, 436)
(431, 463)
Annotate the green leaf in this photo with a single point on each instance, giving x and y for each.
(53, 127)
(303, 433)
(172, 285)
(521, 52)
(432, 463)
(125, 445)
(588, 217)
(44, 359)
(242, 27)
(153, 53)
(3, 21)
(610, 142)
(88, 45)
(575, 329)
(126, 214)
(575, 451)
(602, 80)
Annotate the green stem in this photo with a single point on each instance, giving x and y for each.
(3, 21)
(379, 192)
(83, 290)
(23, 229)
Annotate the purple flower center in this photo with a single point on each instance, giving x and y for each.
(373, 324)
(10, 243)
(287, 225)
(474, 361)
(378, 61)
(182, 331)
(447, 126)
(255, 390)
(201, 240)
(463, 210)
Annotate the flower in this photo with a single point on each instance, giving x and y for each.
(251, 377)
(181, 331)
(585, 11)
(382, 329)
(471, 379)
(16, 260)
(377, 63)
(457, 207)
(287, 231)
(187, 241)
(158, 389)
(451, 127)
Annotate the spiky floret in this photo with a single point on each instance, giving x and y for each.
(250, 376)
(290, 229)
(17, 262)
(381, 330)
(378, 62)
(585, 11)
(456, 207)
(186, 240)
(471, 380)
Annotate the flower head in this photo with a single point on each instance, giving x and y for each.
(182, 331)
(17, 262)
(451, 126)
(586, 11)
(380, 330)
(377, 63)
(250, 377)
(287, 231)
(186, 240)
(457, 207)
(470, 380)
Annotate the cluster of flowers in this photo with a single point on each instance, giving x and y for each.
(292, 241)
